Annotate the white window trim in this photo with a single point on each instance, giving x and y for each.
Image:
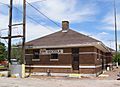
(54, 59)
(35, 59)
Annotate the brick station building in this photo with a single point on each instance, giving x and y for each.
(67, 51)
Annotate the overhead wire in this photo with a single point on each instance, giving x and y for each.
(42, 14)
(7, 28)
(5, 41)
(34, 20)
(29, 17)
(39, 1)
(5, 4)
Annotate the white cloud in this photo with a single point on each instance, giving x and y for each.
(3, 21)
(36, 31)
(20, 2)
(3, 25)
(109, 1)
(69, 10)
(103, 33)
(109, 22)
(102, 36)
(33, 30)
(59, 10)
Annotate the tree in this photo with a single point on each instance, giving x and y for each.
(3, 52)
(16, 52)
(116, 58)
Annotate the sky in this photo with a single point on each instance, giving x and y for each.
(94, 18)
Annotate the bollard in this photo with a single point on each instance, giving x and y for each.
(48, 72)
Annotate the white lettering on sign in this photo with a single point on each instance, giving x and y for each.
(44, 51)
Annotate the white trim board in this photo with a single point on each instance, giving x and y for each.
(89, 67)
(49, 66)
(63, 74)
(70, 53)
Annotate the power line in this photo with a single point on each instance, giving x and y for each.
(7, 28)
(28, 17)
(33, 19)
(110, 42)
(43, 14)
(5, 4)
(5, 41)
(39, 1)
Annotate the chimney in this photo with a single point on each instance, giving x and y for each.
(65, 26)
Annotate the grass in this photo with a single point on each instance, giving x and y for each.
(2, 67)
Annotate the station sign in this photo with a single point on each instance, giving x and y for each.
(44, 51)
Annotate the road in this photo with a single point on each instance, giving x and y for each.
(58, 82)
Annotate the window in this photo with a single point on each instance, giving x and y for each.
(36, 55)
(54, 56)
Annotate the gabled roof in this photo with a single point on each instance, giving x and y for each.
(62, 38)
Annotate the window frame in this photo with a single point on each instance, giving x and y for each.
(38, 55)
(53, 55)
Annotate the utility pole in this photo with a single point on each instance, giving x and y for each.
(24, 30)
(10, 36)
(10, 31)
(115, 21)
(0, 36)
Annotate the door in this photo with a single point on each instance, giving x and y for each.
(102, 63)
(75, 58)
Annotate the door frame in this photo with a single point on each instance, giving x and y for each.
(75, 58)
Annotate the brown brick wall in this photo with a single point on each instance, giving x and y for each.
(87, 71)
(66, 59)
(87, 49)
(52, 70)
(99, 69)
(87, 59)
(108, 57)
(62, 60)
(61, 70)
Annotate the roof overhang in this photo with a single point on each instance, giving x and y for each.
(98, 45)
(102, 47)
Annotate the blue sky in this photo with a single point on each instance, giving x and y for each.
(91, 17)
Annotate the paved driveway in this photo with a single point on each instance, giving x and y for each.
(33, 82)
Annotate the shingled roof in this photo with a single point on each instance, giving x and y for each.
(65, 38)
(62, 38)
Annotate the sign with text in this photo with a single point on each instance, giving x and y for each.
(44, 51)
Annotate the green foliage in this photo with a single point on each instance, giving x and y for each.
(116, 58)
(3, 55)
(16, 53)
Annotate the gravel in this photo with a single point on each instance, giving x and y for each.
(33, 82)
(43, 81)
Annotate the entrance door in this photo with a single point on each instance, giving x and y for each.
(75, 58)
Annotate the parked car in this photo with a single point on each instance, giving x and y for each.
(14, 62)
(3, 62)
